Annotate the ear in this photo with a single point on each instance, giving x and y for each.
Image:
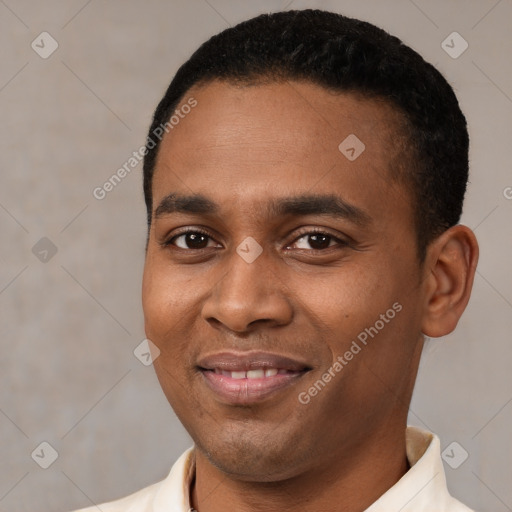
(450, 265)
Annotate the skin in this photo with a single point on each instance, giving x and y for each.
(242, 147)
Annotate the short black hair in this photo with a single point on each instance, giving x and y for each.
(346, 55)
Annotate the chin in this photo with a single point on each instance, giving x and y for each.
(253, 457)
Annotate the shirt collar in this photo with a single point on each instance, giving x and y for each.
(421, 489)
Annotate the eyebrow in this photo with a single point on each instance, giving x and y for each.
(302, 205)
(177, 203)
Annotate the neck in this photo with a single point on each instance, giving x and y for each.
(349, 482)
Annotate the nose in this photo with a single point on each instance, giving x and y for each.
(247, 296)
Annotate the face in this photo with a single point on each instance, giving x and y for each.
(281, 282)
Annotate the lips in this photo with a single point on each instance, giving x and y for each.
(249, 377)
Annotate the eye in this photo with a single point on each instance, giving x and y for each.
(192, 240)
(317, 241)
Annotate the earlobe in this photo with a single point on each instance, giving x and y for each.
(452, 260)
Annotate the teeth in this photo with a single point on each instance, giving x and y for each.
(258, 373)
(255, 374)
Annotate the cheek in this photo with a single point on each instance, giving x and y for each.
(154, 300)
(165, 294)
(166, 317)
(350, 299)
(171, 309)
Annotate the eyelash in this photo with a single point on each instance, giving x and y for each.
(311, 231)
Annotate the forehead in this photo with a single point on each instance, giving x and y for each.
(266, 139)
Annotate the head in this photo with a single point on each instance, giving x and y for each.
(268, 246)
(346, 55)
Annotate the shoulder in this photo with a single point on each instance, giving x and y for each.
(139, 501)
(454, 505)
(172, 491)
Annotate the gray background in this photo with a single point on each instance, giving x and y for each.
(69, 325)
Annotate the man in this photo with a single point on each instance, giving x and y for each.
(304, 180)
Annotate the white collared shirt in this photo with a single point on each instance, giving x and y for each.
(421, 489)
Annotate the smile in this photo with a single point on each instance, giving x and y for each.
(260, 373)
(246, 378)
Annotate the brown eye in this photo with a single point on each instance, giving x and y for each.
(319, 241)
(315, 241)
(191, 240)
